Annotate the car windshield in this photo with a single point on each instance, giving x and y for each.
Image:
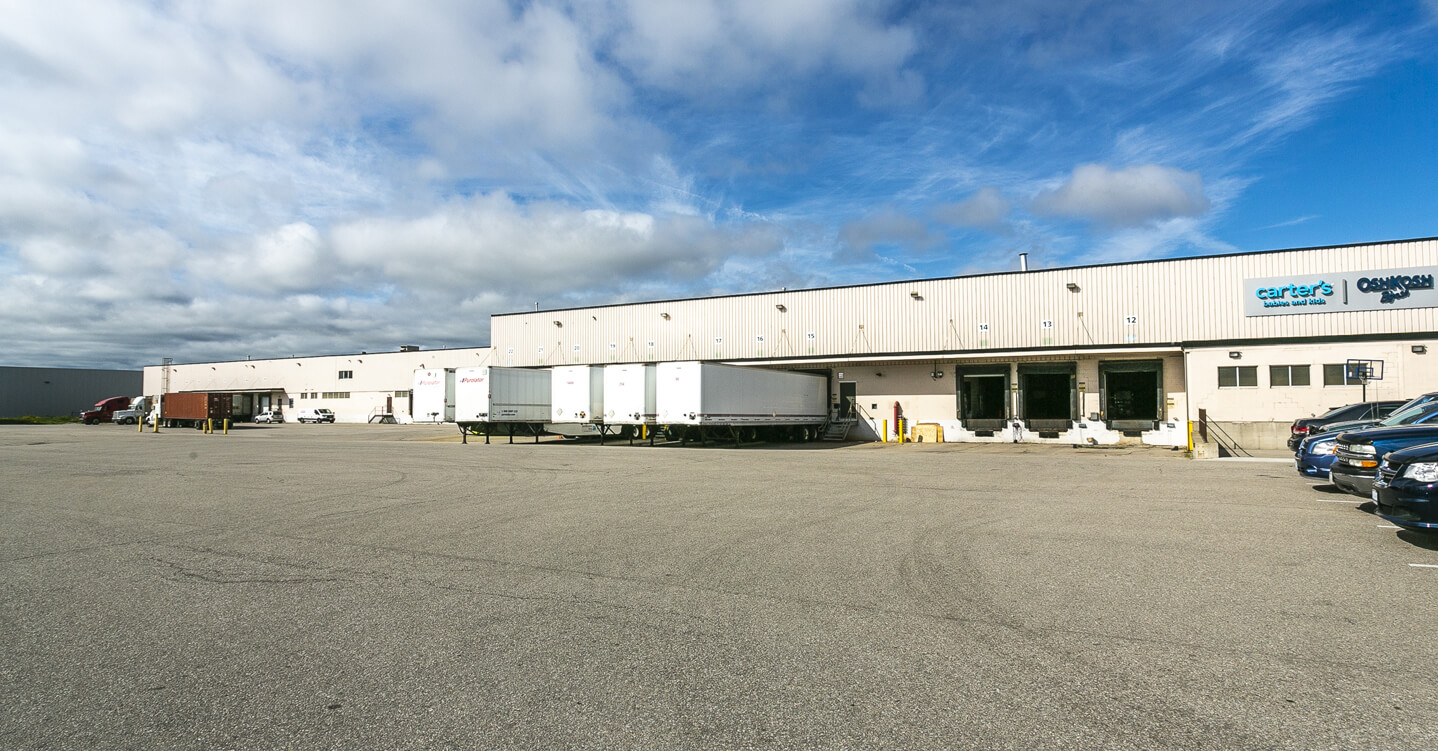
(1427, 400)
(1408, 416)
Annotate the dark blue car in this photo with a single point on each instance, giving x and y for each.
(1315, 453)
(1406, 488)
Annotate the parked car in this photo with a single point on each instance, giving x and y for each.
(316, 415)
(1314, 456)
(1305, 426)
(270, 416)
(104, 410)
(1406, 488)
(1358, 454)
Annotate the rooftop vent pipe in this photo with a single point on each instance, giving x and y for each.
(1023, 262)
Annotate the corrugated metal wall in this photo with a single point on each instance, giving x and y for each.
(1197, 299)
(58, 392)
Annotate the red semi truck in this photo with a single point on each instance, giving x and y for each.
(191, 410)
(104, 410)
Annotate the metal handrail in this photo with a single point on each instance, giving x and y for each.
(1220, 435)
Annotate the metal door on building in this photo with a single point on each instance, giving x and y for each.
(1048, 395)
(1131, 394)
(983, 397)
(848, 398)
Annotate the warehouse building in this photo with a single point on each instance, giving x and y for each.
(1103, 354)
(61, 392)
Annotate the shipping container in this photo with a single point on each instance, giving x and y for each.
(433, 395)
(193, 409)
(709, 394)
(629, 395)
(494, 395)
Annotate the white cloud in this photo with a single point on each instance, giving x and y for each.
(704, 44)
(493, 243)
(1126, 197)
(987, 209)
(888, 227)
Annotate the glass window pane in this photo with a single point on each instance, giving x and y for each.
(1298, 375)
(1278, 375)
(1248, 375)
(1333, 374)
(1227, 378)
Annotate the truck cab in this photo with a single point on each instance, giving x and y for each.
(104, 410)
(134, 412)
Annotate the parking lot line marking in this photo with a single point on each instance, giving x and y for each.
(1337, 500)
(1389, 526)
(1424, 565)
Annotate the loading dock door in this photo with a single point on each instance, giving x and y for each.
(984, 397)
(1131, 392)
(1048, 395)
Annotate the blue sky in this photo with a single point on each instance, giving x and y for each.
(213, 180)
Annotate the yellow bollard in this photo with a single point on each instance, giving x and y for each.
(140, 423)
(209, 425)
(886, 431)
(156, 429)
(227, 426)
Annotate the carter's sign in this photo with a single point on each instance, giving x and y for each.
(1379, 289)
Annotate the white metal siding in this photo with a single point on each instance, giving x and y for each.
(1184, 300)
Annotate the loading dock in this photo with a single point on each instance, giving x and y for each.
(1131, 394)
(1047, 397)
(983, 398)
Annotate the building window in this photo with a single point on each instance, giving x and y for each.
(1238, 377)
(1288, 375)
(1334, 374)
(346, 374)
(337, 394)
(401, 394)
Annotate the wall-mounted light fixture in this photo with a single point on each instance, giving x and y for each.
(1236, 355)
(1072, 287)
(558, 325)
(916, 295)
(937, 374)
(877, 374)
(780, 307)
(1420, 349)
(665, 316)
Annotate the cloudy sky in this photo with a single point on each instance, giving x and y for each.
(222, 178)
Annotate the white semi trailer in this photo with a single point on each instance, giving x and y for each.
(492, 400)
(577, 401)
(432, 395)
(629, 399)
(707, 401)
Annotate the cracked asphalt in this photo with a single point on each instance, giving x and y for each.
(385, 587)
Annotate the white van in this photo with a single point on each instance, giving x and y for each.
(316, 415)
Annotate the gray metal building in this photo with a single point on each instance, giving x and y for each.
(60, 392)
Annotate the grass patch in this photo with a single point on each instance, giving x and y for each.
(33, 420)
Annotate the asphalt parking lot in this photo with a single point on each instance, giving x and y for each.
(385, 587)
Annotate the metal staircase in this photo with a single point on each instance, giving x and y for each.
(838, 429)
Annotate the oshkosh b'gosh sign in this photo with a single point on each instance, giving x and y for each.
(1386, 289)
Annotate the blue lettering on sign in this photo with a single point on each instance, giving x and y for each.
(1395, 288)
(1302, 294)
